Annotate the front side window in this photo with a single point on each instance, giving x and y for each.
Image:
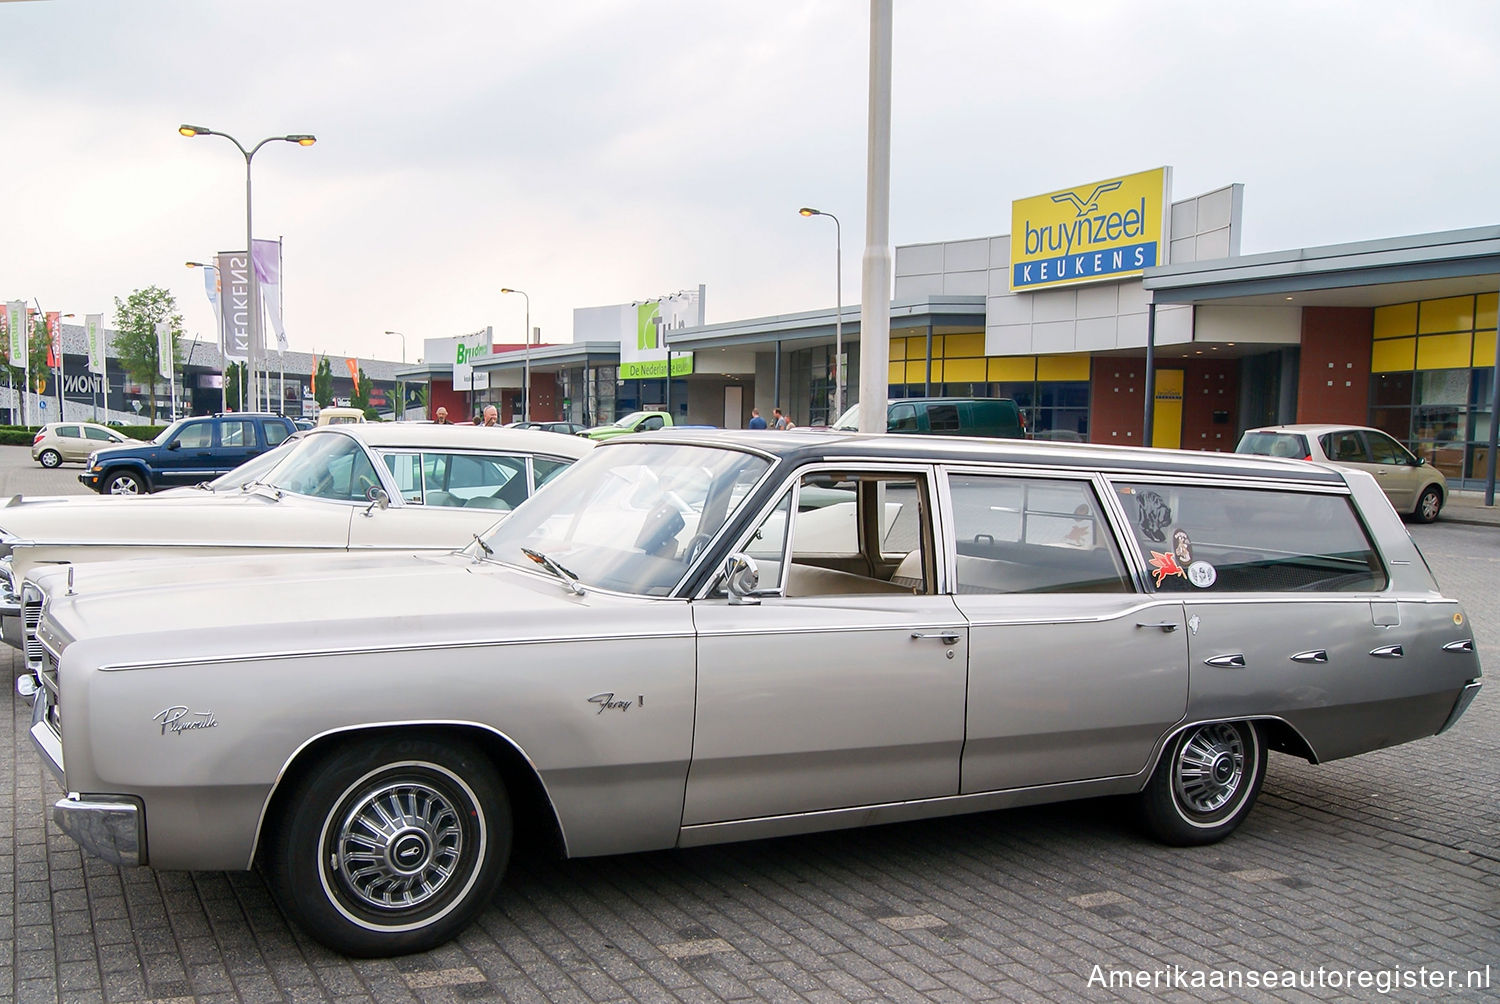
(406, 470)
(634, 517)
(1032, 535)
(1385, 450)
(326, 467)
(196, 436)
(103, 435)
(1220, 539)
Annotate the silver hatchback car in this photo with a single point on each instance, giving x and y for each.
(1414, 486)
(71, 442)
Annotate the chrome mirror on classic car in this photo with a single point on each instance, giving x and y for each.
(741, 578)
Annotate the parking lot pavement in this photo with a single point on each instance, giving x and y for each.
(1382, 864)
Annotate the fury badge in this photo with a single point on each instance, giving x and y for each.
(1193, 623)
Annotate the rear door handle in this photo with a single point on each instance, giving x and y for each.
(1316, 655)
(1166, 626)
(1235, 661)
(947, 637)
(1388, 652)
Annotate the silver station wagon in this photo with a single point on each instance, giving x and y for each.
(696, 637)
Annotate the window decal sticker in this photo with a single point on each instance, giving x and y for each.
(1182, 548)
(1155, 515)
(1202, 574)
(1164, 564)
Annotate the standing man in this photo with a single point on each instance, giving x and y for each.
(756, 422)
(442, 417)
(782, 422)
(491, 415)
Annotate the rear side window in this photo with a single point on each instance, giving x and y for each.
(1218, 539)
(68, 431)
(1274, 444)
(1344, 447)
(237, 433)
(276, 433)
(943, 418)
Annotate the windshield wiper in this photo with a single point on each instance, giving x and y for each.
(568, 578)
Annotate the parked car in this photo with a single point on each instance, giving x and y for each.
(186, 452)
(997, 417)
(566, 428)
(376, 486)
(666, 648)
(57, 443)
(1414, 486)
(341, 416)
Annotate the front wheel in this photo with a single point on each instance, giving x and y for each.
(1429, 505)
(1205, 784)
(125, 483)
(50, 458)
(392, 845)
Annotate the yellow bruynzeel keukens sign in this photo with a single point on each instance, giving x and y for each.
(1099, 231)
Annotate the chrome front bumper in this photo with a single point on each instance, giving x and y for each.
(107, 826)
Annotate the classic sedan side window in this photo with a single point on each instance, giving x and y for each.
(1197, 537)
(328, 467)
(1028, 535)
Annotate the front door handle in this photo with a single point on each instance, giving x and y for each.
(947, 637)
(1316, 655)
(1236, 661)
(1166, 626)
(1388, 652)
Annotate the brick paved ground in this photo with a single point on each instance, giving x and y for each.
(1388, 860)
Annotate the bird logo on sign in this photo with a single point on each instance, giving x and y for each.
(1090, 204)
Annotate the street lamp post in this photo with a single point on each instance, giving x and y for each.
(301, 139)
(838, 311)
(219, 310)
(400, 387)
(526, 360)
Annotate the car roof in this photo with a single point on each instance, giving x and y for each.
(1312, 428)
(415, 435)
(801, 445)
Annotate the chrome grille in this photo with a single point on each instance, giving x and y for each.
(31, 619)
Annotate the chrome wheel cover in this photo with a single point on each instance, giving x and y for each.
(1431, 505)
(1210, 769)
(399, 845)
(124, 486)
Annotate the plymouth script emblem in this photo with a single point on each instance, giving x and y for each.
(179, 719)
(607, 702)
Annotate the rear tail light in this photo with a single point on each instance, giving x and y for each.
(1308, 457)
(39, 434)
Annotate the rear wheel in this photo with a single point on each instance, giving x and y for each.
(50, 458)
(125, 483)
(392, 845)
(1429, 504)
(1205, 784)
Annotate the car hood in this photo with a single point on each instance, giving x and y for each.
(275, 606)
(94, 518)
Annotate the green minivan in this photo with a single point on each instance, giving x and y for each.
(994, 417)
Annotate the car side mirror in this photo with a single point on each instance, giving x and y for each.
(378, 498)
(174, 445)
(741, 579)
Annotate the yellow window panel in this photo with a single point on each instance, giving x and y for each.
(1484, 348)
(1484, 312)
(963, 345)
(1012, 368)
(1396, 321)
(1445, 352)
(1070, 367)
(1453, 313)
(917, 372)
(898, 349)
(1394, 355)
(916, 348)
(897, 373)
(962, 370)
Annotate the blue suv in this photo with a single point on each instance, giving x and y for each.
(187, 451)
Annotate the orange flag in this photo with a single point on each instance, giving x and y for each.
(312, 383)
(353, 372)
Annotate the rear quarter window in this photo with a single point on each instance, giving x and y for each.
(1196, 538)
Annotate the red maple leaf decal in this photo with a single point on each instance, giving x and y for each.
(1164, 564)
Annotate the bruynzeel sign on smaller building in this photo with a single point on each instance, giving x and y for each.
(466, 349)
(1105, 230)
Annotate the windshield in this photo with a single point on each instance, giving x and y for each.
(631, 518)
(251, 470)
(629, 420)
(849, 420)
(327, 466)
(168, 432)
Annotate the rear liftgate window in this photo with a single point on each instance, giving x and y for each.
(1249, 540)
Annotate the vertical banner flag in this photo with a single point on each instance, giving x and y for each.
(164, 349)
(211, 287)
(267, 255)
(312, 382)
(353, 365)
(54, 338)
(93, 330)
(15, 312)
(234, 276)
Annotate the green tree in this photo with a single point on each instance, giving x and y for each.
(135, 335)
(323, 393)
(235, 376)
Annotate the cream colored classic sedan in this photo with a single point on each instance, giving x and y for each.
(698, 637)
(355, 487)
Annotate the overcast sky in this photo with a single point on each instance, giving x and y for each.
(601, 151)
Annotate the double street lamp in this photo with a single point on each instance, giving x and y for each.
(400, 386)
(838, 311)
(301, 139)
(526, 360)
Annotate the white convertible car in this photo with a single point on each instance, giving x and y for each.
(372, 486)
